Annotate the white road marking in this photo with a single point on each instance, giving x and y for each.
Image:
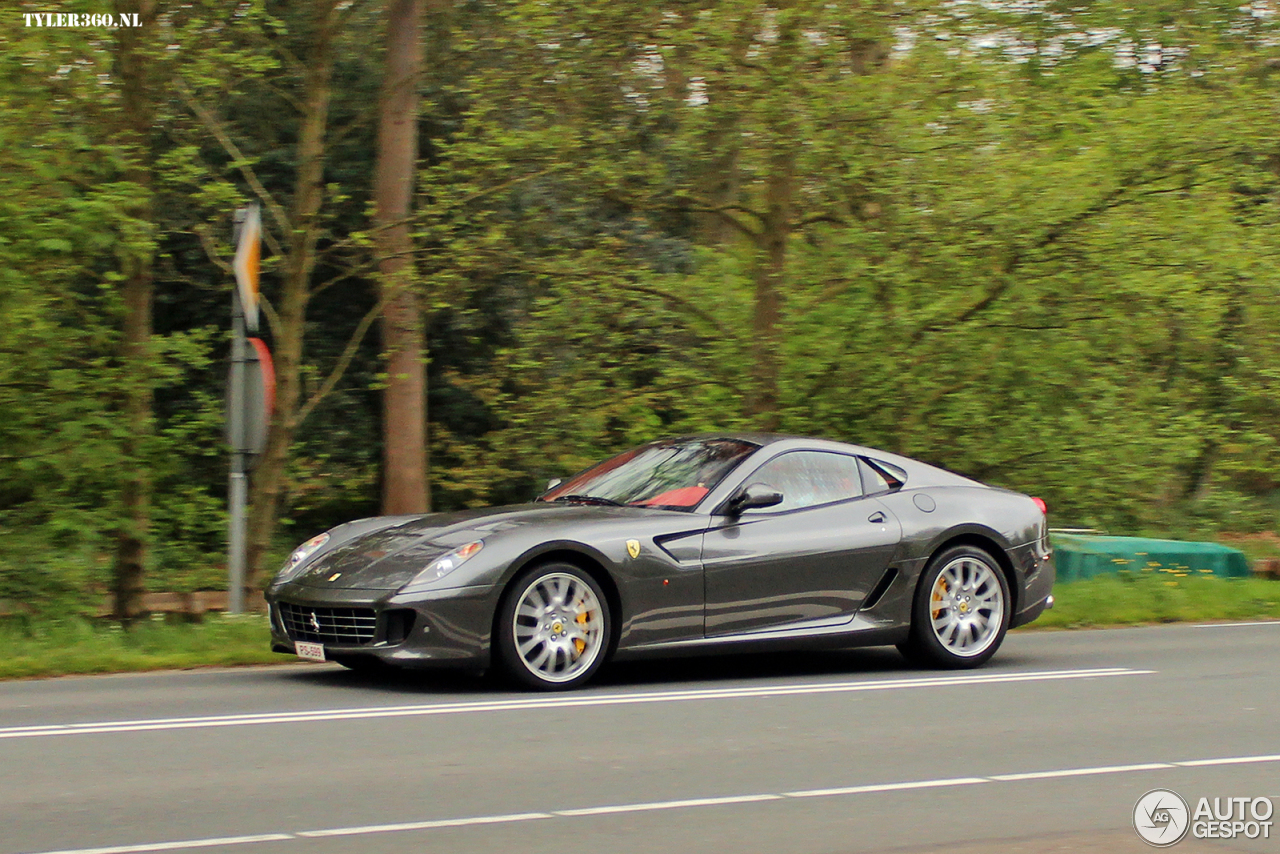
(422, 825)
(1231, 760)
(180, 846)
(1236, 625)
(670, 805)
(557, 702)
(888, 787)
(1080, 772)
(690, 803)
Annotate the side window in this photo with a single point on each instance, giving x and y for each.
(880, 477)
(809, 478)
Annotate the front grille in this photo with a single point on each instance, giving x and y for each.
(337, 626)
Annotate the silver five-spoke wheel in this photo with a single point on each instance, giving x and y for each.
(557, 629)
(966, 606)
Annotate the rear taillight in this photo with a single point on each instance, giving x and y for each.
(1045, 547)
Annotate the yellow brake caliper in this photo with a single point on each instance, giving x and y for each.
(937, 598)
(579, 643)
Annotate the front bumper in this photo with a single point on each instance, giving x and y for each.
(438, 628)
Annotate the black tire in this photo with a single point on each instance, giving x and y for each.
(961, 627)
(526, 633)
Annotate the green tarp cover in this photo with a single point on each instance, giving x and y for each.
(1084, 556)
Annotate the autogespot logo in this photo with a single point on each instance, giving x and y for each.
(1161, 817)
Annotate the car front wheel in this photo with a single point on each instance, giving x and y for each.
(961, 612)
(553, 628)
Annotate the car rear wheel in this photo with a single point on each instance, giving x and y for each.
(553, 628)
(961, 612)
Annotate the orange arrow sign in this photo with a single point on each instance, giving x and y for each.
(248, 255)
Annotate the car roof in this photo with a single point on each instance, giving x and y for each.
(932, 475)
(764, 439)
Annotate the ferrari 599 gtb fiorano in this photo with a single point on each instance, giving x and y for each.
(727, 542)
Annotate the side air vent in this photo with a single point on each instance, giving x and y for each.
(882, 586)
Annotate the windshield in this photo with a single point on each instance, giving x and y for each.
(673, 474)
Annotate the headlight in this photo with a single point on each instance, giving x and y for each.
(301, 553)
(442, 566)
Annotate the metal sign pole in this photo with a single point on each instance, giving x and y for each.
(238, 488)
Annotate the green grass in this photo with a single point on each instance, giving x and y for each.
(61, 647)
(1127, 600)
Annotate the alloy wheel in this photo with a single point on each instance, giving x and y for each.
(558, 627)
(966, 606)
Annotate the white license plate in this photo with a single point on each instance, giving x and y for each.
(309, 651)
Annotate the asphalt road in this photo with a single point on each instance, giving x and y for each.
(1046, 749)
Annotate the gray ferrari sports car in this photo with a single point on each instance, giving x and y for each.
(726, 542)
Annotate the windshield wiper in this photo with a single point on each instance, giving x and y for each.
(590, 499)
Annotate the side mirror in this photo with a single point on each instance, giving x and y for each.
(754, 495)
(553, 483)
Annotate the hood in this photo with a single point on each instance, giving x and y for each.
(390, 558)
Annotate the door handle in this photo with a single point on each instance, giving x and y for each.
(876, 517)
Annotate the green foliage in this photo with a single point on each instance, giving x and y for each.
(1044, 274)
(1035, 245)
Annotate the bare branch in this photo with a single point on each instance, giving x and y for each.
(269, 312)
(354, 236)
(1045, 328)
(351, 271)
(241, 162)
(285, 95)
(211, 249)
(348, 352)
(711, 380)
(823, 217)
(672, 299)
(344, 361)
(560, 167)
(1125, 194)
(758, 217)
(295, 65)
(726, 214)
(364, 117)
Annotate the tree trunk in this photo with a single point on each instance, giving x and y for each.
(776, 225)
(136, 291)
(770, 275)
(404, 404)
(308, 196)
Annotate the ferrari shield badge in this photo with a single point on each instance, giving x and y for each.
(633, 548)
(335, 576)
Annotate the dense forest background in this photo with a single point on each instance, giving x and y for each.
(1033, 242)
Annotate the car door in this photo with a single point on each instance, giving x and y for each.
(810, 560)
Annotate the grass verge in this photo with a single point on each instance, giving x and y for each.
(67, 646)
(1126, 599)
